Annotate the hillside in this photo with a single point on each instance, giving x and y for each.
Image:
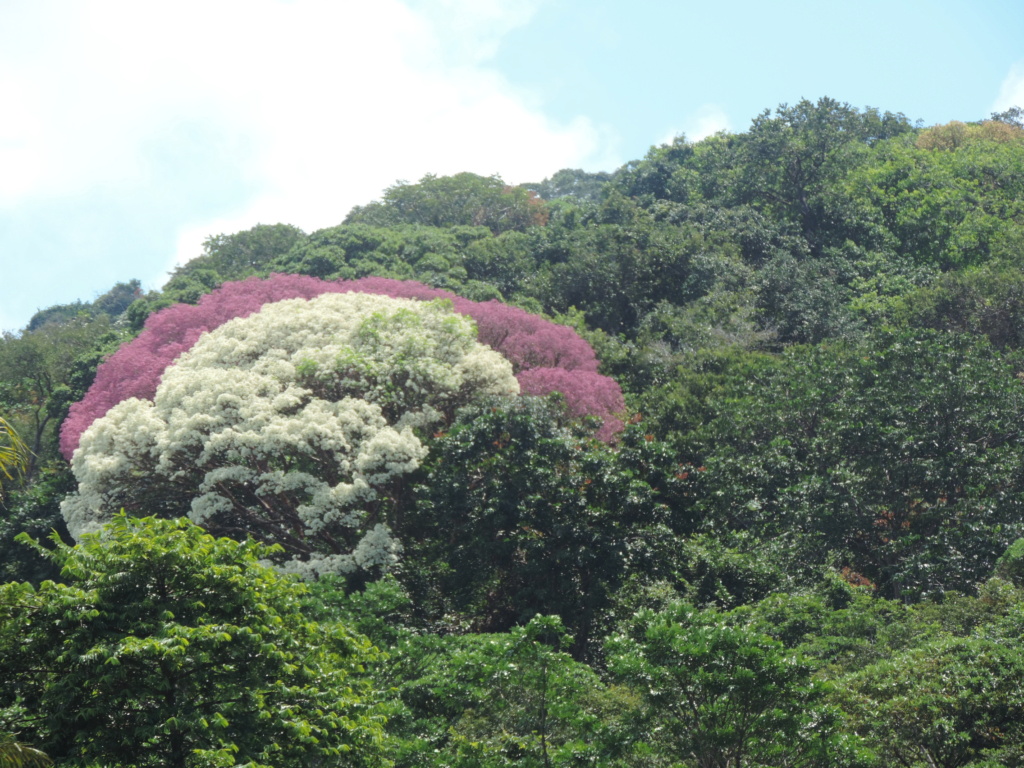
(759, 499)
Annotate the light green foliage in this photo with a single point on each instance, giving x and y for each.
(719, 695)
(464, 199)
(949, 703)
(1010, 565)
(945, 208)
(167, 647)
(500, 700)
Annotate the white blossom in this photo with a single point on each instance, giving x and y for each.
(291, 421)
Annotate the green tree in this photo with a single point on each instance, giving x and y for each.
(719, 695)
(516, 515)
(790, 158)
(167, 647)
(245, 253)
(36, 368)
(572, 182)
(951, 703)
(464, 199)
(946, 208)
(897, 454)
(494, 700)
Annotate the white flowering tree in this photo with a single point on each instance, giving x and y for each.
(294, 425)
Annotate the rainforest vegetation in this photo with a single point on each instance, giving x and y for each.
(715, 460)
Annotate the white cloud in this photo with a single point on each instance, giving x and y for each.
(321, 104)
(707, 120)
(1011, 91)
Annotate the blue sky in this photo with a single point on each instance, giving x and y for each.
(131, 131)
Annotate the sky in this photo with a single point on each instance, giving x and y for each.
(132, 131)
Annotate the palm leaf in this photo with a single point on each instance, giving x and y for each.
(14, 754)
(13, 455)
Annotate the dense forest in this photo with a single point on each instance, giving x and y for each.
(715, 460)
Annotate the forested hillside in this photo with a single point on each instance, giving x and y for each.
(715, 460)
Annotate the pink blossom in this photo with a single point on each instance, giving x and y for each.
(587, 393)
(529, 342)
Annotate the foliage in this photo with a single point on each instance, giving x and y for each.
(724, 696)
(168, 647)
(515, 514)
(36, 369)
(13, 453)
(574, 183)
(111, 305)
(898, 454)
(948, 209)
(987, 301)
(243, 254)
(33, 508)
(293, 425)
(464, 199)
(1010, 565)
(854, 505)
(497, 700)
(955, 134)
(952, 702)
(14, 754)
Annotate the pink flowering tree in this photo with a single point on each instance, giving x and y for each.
(546, 357)
(298, 424)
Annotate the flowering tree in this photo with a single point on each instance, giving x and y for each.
(586, 393)
(529, 342)
(294, 424)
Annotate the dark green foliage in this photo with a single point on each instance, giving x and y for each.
(167, 647)
(988, 301)
(114, 302)
(33, 509)
(247, 253)
(428, 254)
(40, 371)
(898, 454)
(59, 313)
(111, 305)
(516, 515)
(790, 159)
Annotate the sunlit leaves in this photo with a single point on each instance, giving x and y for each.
(166, 644)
